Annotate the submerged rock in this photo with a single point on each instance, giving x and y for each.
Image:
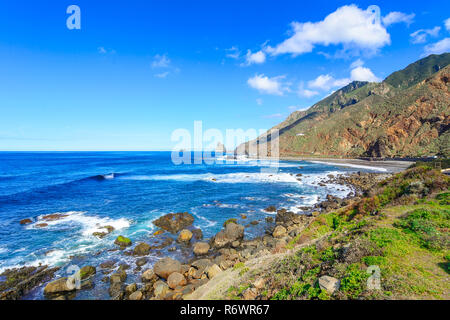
(174, 222)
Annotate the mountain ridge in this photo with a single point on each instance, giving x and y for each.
(406, 115)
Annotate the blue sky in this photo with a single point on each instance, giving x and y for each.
(138, 70)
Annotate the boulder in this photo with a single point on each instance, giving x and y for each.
(174, 222)
(123, 242)
(198, 234)
(148, 276)
(213, 271)
(270, 209)
(115, 290)
(164, 267)
(137, 295)
(232, 232)
(86, 272)
(279, 232)
(329, 284)
(108, 264)
(176, 279)
(118, 277)
(160, 289)
(184, 236)
(141, 261)
(201, 248)
(288, 217)
(142, 249)
(25, 221)
(60, 285)
(129, 289)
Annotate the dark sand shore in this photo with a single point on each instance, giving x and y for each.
(386, 166)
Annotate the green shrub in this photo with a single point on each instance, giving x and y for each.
(354, 281)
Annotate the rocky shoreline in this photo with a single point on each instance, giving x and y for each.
(171, 279)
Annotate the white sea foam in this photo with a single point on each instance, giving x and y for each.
(88, 224)
(239, 177)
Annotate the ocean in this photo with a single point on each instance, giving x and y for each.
(128, 190)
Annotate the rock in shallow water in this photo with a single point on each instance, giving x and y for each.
(142, 249)
(174, 222)
(185, 236)
(123, 242)
(60, 285)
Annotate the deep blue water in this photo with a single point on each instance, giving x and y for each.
(145, 186)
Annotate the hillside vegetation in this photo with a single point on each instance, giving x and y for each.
(398, 233)
(406, 115)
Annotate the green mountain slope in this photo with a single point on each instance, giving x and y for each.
(407, 115)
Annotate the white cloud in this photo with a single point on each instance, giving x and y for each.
(420, 36)
(161, 61)
(103, 50)
(357, 63)
(255, 58)
(397, 17)
(438, 47)
(233, 53)
(326, 82)
(348, 25)
(447, 24)
(306, 93)
(363, 74)
(259, 101)
(267, 85)
(162, 75)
